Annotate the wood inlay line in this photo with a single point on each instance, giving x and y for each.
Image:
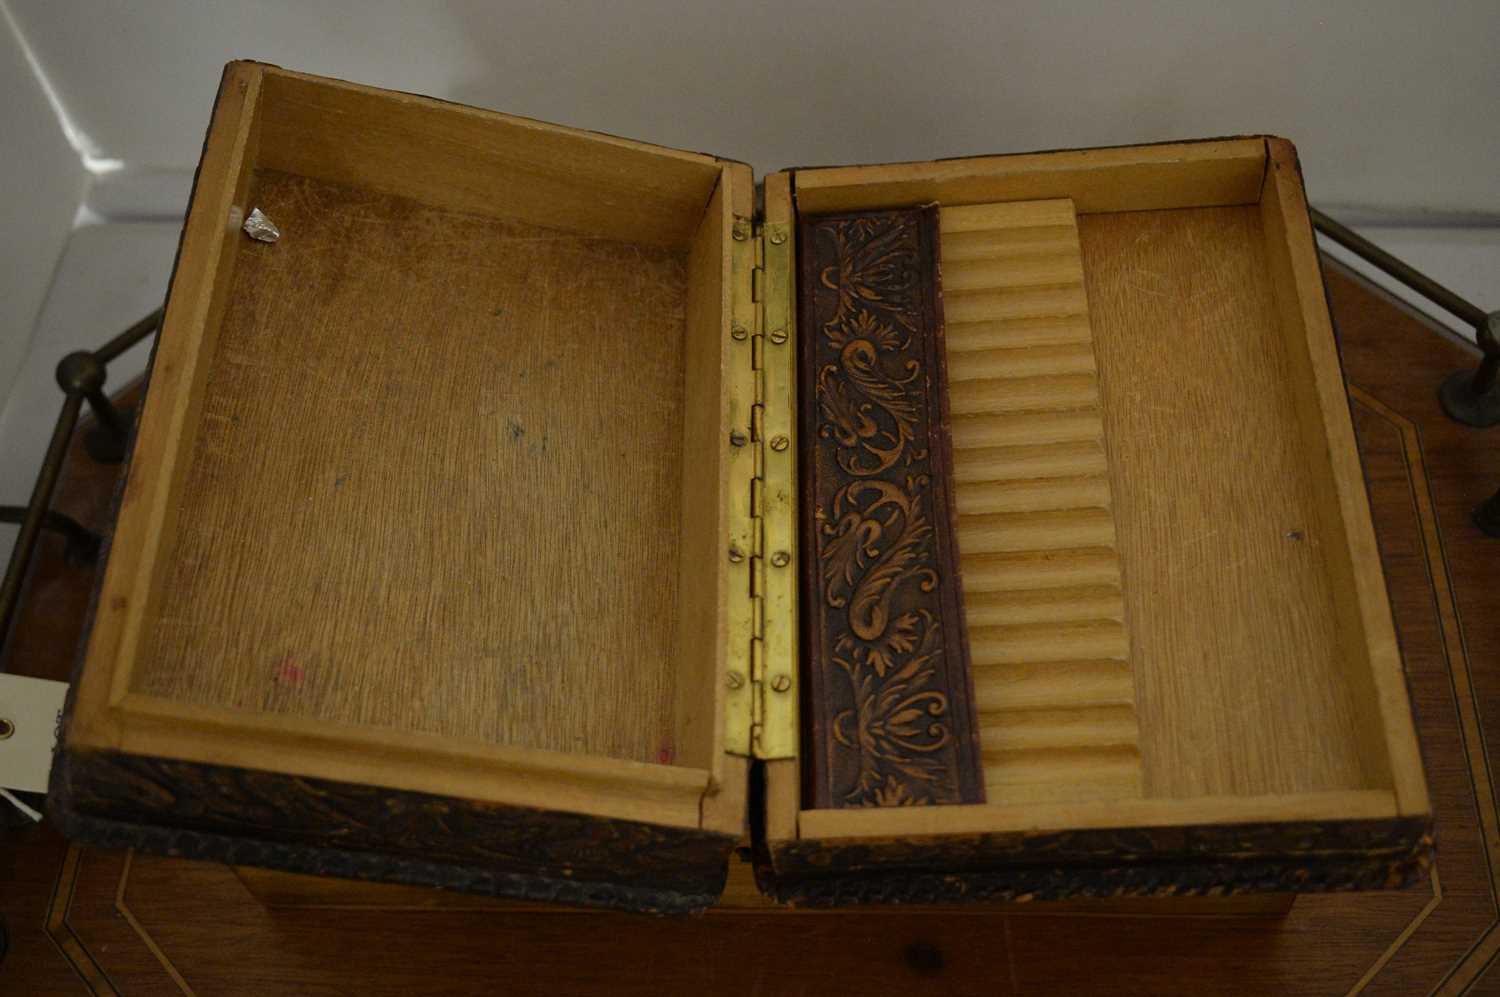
(1462, 974)
(139, 929)
(62, 935)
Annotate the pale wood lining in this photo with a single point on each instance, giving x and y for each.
(701, 638)
(463, 768)
(108, 715)
(1050, 653)
(1331, 707)
(1241, 682)
(726, 805)
(1132, 178)
(1372, 659)
(701, 651)
(200, 285)
(484, 162)
(1241, 685)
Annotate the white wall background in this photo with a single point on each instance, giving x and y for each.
(1391, 102)
(41, 183)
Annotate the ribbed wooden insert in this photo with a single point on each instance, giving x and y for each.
(1036, 535)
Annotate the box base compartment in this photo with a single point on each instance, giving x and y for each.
(437, 481)
(1264, 738)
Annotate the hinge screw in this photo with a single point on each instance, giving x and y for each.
(741, 230)
(781, 559)
(737, 331)
(736, 555)
(736, 680)
(777, 336)
(738, 438)
(780, 443)
(781, 683)
(777, 237)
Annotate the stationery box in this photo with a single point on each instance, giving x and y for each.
(485, 529)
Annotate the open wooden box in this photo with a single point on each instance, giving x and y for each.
(444, 551)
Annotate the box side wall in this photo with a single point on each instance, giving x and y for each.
(491, 164)
(703, 578)
(1231, 174)
(183, 351)
(1131, 178)
(1372, 660)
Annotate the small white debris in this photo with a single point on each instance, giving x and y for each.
(261, 228)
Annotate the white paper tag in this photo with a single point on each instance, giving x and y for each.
(31, 710)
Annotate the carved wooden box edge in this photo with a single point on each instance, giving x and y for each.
(326, 828)
(1206, 860)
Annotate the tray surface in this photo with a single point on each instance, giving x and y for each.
(436, 479)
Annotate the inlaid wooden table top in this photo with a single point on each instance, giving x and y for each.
(106, 922)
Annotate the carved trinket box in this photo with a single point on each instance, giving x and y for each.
(533, 495)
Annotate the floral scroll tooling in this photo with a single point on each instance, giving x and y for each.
(888, 652)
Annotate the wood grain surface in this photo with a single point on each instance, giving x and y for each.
(1252, 656)
(99, 922)
(1236, 644)
(1127, 178)
(477, 161)
(1051, 662)
(359, 536)
(1370, 654)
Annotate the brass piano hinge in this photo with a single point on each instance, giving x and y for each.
(762, 719)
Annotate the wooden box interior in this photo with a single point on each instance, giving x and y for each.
(432, 493)
(430, 490)
(1267, 682)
